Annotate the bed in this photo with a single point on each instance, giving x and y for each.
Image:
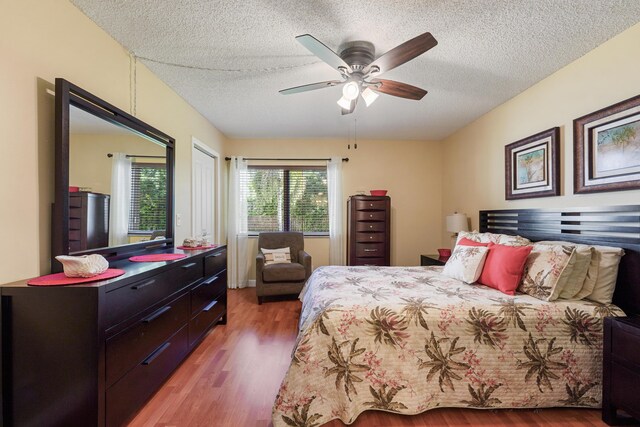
(409, 339)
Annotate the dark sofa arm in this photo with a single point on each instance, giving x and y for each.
(305, 259)
(259, 265)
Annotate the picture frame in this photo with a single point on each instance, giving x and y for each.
(606, 148)
(532, 166)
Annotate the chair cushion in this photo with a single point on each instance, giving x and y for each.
(293, 272)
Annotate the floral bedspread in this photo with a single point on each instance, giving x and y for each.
(408, 339)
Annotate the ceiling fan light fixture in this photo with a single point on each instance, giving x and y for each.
(344, 103)
(351, 90)
(369, 96)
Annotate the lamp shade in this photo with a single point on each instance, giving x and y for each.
(457, 223)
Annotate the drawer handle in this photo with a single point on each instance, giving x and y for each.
(156, 353)
(210, 280)
(371, 204)
(153, 316)
(210, 306)
(214, 255)
(143, 285)
(371, 226)
(370, 237)
(371, 250)
(188, 266)
(370, 215)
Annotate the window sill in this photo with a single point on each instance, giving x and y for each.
(306, 236)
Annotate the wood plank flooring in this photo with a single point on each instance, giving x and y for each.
(233, 377)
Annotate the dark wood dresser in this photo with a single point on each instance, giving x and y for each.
(369, 234)
(93, 354)
(88, 221)
(621, 370)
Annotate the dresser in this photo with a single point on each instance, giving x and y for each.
(621, 369)
(93, 354)
(368, 236)
(88, 221)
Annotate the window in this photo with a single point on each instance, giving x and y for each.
(148, 210)
(287, 199)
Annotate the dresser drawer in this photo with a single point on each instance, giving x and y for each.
(207, 291)
(75, 202)
(370, 261)
(370, 226)
(201, 323)
(370, 215)
(215, 263)
(75, 213)
(125, 350)
(370, 237)
(129, 300)
(74, 246)
(370, 250)
(625, 388)
(75, 224)
(74, 234)
(129, 394)
(370, 205)
(625, 345)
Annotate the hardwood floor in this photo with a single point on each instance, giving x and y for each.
(233, 377)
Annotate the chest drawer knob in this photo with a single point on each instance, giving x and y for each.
(210, 306)
(371, 204)
(156, 353)
(210, 280)
(370, 215)
(370, 237)
(143, 285)
(371, 250)
(153, 316)
(188, 266)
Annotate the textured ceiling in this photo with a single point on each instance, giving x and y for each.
(488, 51)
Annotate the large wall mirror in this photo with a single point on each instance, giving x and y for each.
(114, 179)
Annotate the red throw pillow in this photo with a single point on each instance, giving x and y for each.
(467, 242)
(503, 267)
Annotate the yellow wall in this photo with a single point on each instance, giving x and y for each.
(410, 170)
(89, 165)
(39, 41)
(474, 156)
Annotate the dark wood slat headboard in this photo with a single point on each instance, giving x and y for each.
(617, 226)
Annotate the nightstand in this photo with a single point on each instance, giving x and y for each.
(621, 369)
(432, 260)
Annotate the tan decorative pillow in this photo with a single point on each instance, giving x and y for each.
(276, 256)
(581, 269)
(547, 270)
(465, 263)
(607, 274)
(500, 239)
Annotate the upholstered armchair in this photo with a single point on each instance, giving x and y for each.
(282, 278)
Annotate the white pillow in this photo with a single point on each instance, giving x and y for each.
(581, 266)
(607, 274)
(276, 256)
(465, 263)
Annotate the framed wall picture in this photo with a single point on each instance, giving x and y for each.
(606, 148)
(532, 166)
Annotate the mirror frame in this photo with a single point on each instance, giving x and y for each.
(66, 95)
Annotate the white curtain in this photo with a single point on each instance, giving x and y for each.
(336, 219)
(237, 225)
(120, 200)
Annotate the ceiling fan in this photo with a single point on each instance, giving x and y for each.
(359, 70)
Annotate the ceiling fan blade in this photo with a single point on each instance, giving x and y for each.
(353, 107)
(312, 86)
(320, 50)
(403, 53)
(401, 90)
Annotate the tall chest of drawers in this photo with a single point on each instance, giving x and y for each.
(368, 237)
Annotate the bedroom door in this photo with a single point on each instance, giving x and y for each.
(204, 198)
